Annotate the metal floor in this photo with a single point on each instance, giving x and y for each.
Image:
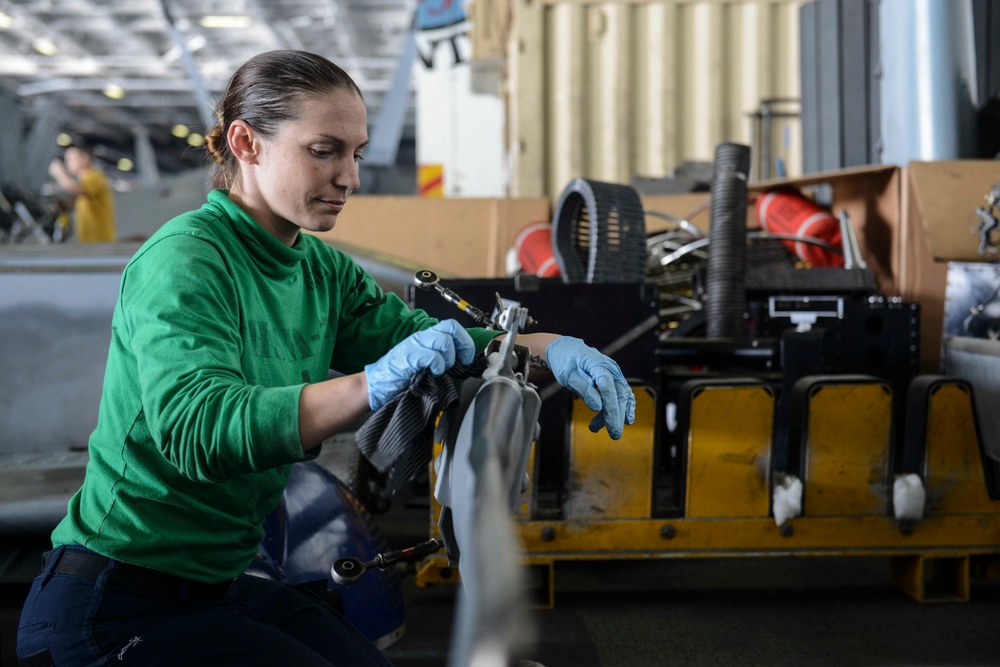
(737, 613)
(733, 612)
(800, 612)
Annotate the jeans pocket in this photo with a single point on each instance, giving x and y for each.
(33, 637)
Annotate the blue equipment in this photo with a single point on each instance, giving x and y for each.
(318, 521)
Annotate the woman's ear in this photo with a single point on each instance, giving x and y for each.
(243, 142)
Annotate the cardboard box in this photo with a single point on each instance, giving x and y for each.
(695, 207)
(454, 237)
(939, 225)
(910, 223)
(870, 195)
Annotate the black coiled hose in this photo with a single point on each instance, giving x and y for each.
(727, 257)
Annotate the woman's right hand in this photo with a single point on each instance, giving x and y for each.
(435, 349)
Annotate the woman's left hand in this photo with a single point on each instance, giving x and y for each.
(595, 378)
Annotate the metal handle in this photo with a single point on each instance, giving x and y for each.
(425, 279)
(347, 571)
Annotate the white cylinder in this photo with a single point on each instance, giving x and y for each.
(927, 63)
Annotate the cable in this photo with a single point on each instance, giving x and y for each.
(683, 223)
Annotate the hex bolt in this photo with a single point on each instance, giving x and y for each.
(668, 532)
(548, 534)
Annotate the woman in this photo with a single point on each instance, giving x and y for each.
(227, 323)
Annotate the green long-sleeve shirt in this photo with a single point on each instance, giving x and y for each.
(217, 328)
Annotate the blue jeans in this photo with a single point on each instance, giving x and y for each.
(78, 620)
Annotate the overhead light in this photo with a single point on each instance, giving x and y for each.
(13, 65)
(225, 21)
(64, 139)
(6, 20)
(194, 139)
(72, 67)
(124, 164)
(114, 91)
(180, 130)
(194, 44)
(45, 46)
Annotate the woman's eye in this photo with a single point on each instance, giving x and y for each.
(358, 158)
(319, 152)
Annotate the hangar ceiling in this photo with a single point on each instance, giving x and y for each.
(109, 70)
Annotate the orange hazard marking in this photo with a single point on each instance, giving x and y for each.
(430, 180)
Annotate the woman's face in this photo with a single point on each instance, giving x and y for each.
(301, 177)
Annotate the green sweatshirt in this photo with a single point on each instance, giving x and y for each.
(217, 328)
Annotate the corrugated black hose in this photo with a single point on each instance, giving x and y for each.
(727, 258)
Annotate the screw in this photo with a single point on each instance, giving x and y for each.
(548, 534)
(787, 530)
(668, 532)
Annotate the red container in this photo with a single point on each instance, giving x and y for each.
(534, 250)
(790, 212)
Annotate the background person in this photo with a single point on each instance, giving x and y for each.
(94, 203)
(227, 324)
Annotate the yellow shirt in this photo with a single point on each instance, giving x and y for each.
(94, 210)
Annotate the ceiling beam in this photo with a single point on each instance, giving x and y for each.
(67, 84)
(198, 83)
(346, 36)
(13, 64)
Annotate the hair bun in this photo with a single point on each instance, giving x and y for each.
(212, 144)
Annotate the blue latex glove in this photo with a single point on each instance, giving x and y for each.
(595, 378)
(434, 349)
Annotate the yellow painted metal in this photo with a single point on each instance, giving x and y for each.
(435, 570)
(542, 584)
(540, 577)
(936, 578)
(934, 575)
(608, 478)
(729, 452)
(527, 499)
(847, 450)
(685, 537)
(435, 532)
(985, 566)
(845, 497)
(953, 476)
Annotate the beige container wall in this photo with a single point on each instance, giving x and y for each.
(613, 90)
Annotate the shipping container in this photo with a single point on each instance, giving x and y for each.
(617, 90)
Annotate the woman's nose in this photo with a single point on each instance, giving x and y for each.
(350, 176)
